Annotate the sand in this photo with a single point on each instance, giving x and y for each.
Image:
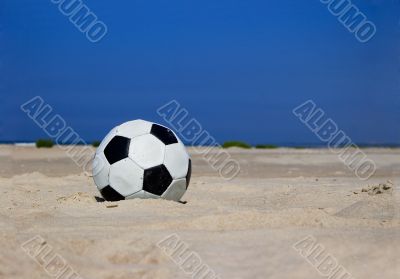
(244, 228)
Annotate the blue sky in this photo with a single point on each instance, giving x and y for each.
(239, 67)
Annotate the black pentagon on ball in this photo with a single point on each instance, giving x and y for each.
(156, 180)
(163, 134)
(189, 174)
(117, 149)
(109, 194)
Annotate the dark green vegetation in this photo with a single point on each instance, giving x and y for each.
(266, 146)
(239, 144)
(96, 143)
(46, 143)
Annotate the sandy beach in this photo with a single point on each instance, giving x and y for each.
(243, 228)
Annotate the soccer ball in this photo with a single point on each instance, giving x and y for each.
(141, 159)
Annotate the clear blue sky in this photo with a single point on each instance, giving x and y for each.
(239, 67)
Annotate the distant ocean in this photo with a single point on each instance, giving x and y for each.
(21, 143)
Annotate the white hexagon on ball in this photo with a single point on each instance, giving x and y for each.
(101, 170)
(147, 151)
(176, 160)
(126, 177)
(176, 190)
(134, 128)
(142, 195)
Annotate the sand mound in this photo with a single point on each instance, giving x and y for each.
(379, 189)
(77, 197)
(367, 210)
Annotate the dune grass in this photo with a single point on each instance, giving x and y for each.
(266, 146)
(44, 143)
(239, 144)
(96, 143)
